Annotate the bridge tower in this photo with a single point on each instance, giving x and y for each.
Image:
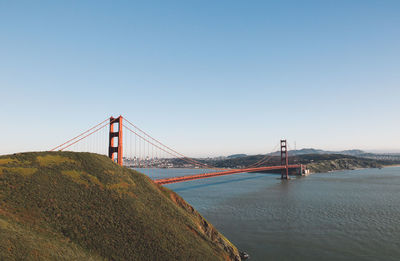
(115, 132)
(284, 160)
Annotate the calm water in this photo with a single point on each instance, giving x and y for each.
(349, 215)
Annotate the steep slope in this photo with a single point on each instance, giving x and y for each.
(65, 205)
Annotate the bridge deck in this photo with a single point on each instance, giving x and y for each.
(220, 173)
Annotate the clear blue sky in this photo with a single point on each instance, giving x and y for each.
(206, 77)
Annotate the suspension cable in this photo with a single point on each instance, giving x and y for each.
(178, 155)
(160, 145)
(69, 145)
(265, 159)
(80, 134)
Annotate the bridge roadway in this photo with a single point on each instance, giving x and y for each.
(221, 173)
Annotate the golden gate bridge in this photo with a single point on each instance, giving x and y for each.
(120, 140)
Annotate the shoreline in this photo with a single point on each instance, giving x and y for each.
(337, 170)
(388, 166)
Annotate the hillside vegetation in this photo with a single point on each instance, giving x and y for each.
(319, 163)
(82, 206)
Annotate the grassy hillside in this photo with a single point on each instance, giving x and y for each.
(344, 163)
(82, 206)
(319, 163)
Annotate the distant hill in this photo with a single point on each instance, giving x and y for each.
(317, 151)
(236, 156)
(318, 163)
(82, 206)
(305, 151)
(352, 152)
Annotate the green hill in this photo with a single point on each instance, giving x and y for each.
(82, 206)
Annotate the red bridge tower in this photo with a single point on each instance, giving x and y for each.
(284, 160)
(115, 134)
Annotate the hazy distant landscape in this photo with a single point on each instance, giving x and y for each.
(316, 160)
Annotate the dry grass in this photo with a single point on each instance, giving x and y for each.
(6, 161)
(26, 172)
(51, 160)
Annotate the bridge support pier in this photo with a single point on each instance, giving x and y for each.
(112, 149)
(284, 160)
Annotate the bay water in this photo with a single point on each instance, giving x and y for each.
(344, 215)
